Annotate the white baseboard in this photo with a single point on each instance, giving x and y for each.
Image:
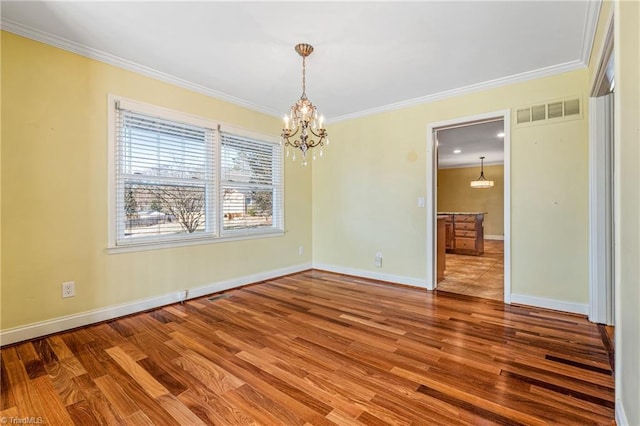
(398, 279)
(494, 237)
(557, 305)
(55, 325)
(621, 416)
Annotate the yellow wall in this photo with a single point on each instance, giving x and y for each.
(365, 190)
(54, 191)
(456, 195)
(627, 206)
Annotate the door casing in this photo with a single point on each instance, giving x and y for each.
(432, 193)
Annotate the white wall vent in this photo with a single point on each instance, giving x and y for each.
(551, 111)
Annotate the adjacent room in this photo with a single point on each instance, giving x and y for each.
(470, 206)
(320, 212)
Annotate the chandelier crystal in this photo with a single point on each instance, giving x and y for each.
(482, 182)
(303, 120)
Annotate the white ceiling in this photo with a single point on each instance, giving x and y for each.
(369, 56)
(473, 141)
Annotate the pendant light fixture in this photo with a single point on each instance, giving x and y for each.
(303, 119)
(482, 182)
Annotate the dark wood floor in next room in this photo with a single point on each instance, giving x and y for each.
(318, 348)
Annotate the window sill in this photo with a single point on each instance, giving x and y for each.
(193, 242)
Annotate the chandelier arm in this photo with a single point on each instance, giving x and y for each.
(294, 144)
(320, 142)
(290, 135)
(314, 144)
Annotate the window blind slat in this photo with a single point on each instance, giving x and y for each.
(250, 173)
(165, 179)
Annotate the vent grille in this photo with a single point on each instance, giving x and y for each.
(572, 107)
(553, 110)
(523, 115)
(538, 112)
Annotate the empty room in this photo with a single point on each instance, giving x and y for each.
(296, 213)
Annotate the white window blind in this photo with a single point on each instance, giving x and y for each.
(164, 179)
(177, 179)
(251, 193)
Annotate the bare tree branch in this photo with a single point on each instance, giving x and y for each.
(186, 204)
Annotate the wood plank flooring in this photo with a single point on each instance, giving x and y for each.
(480, 276)
(317, 348)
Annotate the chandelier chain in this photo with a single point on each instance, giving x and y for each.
(304, 76)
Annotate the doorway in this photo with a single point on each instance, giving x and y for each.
(476, 265)
(474, 228)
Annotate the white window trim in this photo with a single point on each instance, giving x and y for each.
(157, 244)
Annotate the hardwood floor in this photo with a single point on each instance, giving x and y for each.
(481, 276)
(317, 348)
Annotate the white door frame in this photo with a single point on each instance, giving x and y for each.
(601, 198)
(432, 192)
(601, 297)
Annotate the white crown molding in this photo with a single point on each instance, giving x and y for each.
(68, 322)
(398, 279)
(556, 305)
(498, 82)
(107, 58)
(593, 10)
(589, 30)
(588, 37)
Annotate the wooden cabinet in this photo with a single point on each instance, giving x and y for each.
(467, 233)
(448, 232)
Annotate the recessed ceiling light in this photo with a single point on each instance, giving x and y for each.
(501, 135)
(457, 151)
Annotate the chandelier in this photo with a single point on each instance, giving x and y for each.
(303, 119)
(482, 181)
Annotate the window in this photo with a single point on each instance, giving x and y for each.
(250, 184)
(179, 179)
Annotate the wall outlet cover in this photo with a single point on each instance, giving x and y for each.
(68, 289)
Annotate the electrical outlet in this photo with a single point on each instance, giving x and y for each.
(378, 260)
(300, 250)
(68, 289)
